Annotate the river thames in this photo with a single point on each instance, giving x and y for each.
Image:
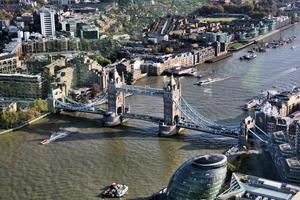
(92, 157)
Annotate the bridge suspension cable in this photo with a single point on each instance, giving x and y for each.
(194, 120)
(258, 137)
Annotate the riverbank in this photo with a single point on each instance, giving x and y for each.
(261, 37)
(25, 124)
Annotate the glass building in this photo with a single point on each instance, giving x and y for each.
(198, 178)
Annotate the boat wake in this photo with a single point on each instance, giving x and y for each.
(295, 46)
(55, 136)
(294, 69)
(211, 80)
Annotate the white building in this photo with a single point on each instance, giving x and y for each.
(47, 22)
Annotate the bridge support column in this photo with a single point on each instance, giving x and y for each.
(246, 124)
(51, 106)
(112, 120)
(168, 130)
(172, 114)
(116, 100)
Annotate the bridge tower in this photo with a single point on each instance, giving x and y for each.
(171, 98)
(246, 125)
(116, 99)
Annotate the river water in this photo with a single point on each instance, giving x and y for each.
(92, 157)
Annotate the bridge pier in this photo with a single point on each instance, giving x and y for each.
(171, 98)
(116, 100)
(168, 130)
(111, 120)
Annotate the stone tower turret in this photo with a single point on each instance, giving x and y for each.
(171, 98)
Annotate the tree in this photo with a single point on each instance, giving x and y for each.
(102, 60)
(85, 46)
(39, 105)
(95, 91)
(128, 77)
(246, 8)
(231, 8)
(9, 119)
(46, 84)
(31, 114)
(210, 9)
(169, 50)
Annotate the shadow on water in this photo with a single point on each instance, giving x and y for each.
(195, 140)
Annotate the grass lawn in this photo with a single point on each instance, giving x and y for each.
(219, 19)
(235, 45)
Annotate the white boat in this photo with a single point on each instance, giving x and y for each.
(210, 80)
(55, 136)
(249, 56)
(204, 82)
(251, 104)
(115, 191)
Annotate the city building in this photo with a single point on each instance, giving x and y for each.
(54, 44)
(47, 20)
(89, 32)
(198, 178)
(13, 47)
(9, 106)
(284, 150)
(69, 24)
(64, 2)
(81, 71)
(20, 86)
(156, 65)
(246, 187)
(280, 112)
(9, 63)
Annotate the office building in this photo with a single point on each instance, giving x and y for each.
(47, 20)
(198, 178)
(20, 86)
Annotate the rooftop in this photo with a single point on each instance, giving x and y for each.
(293, 163)
(251, 187)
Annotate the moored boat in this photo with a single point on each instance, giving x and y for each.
(115, 191)
(249, 56)
(251, 104)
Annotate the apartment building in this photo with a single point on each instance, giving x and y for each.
(20, 86)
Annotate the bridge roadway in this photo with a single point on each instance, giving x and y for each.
(222, 132)
(80, 108)
(143, 117)
(142, 90)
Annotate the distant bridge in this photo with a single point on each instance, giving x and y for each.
(178, 113)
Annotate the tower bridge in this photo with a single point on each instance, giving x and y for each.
(177, 112)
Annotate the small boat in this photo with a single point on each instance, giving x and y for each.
(115, 191)
(249, 56)
(204, 82)
(55, 136)
(251, 104)
(262, 49)
(45, 141)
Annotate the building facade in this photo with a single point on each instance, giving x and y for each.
(9, 63)
(21, 86)
(47, 20)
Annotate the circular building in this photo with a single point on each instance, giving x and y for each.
(198, 178)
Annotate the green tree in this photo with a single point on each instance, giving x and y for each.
(102, 60)
(46, 84)
(85, 45)
(39, 105)
(9, 119)
(169, 50)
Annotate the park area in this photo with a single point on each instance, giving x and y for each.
(218, 19)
